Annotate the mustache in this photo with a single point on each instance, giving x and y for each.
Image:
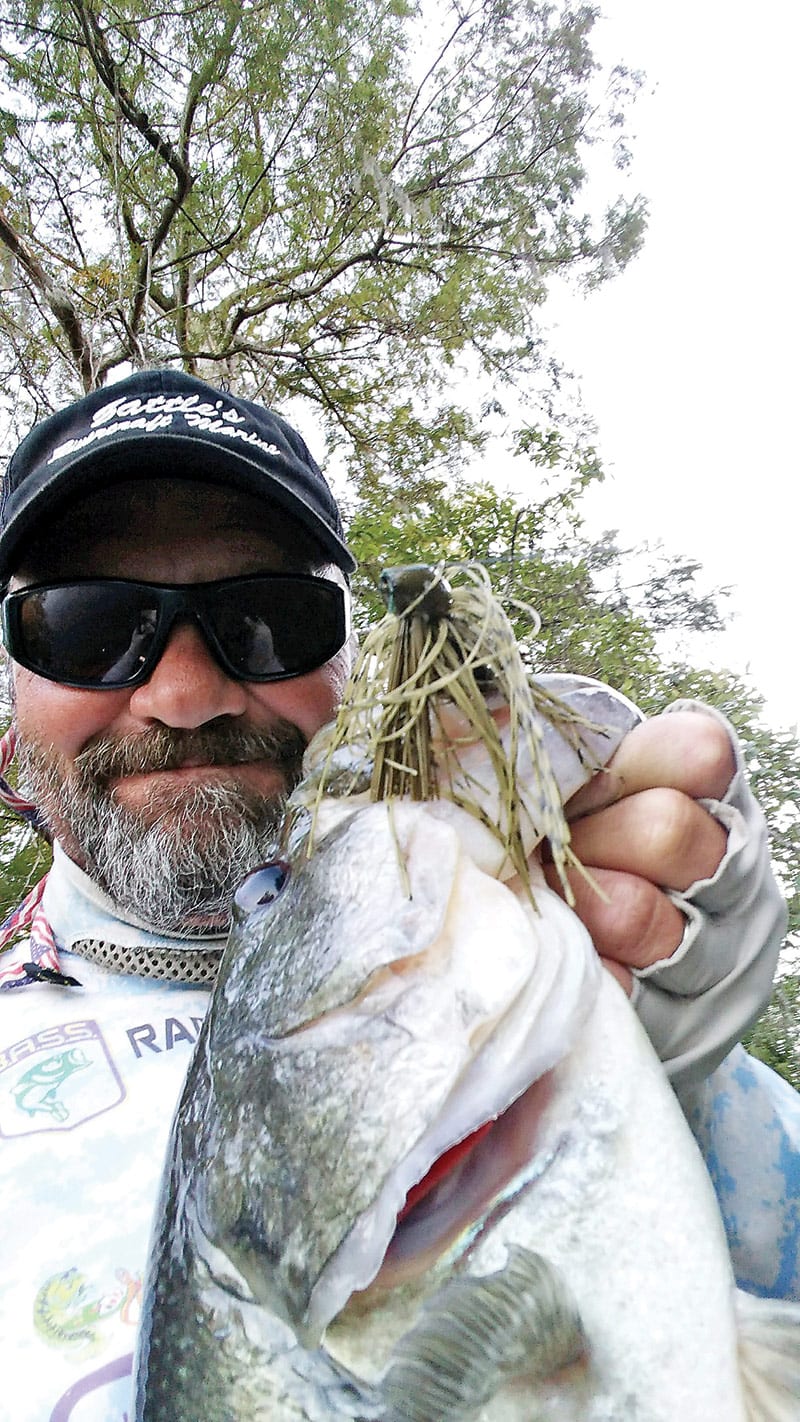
(166, 748)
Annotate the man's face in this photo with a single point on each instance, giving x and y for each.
(168, 793)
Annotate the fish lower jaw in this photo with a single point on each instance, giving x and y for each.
(445, 1221)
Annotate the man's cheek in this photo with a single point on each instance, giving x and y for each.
(307, 702)
(63, 717)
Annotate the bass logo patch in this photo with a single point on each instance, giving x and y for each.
(56, 1080)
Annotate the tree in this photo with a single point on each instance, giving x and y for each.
(775, 1039)
(333, 202)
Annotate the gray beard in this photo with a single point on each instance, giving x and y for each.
(175, 866)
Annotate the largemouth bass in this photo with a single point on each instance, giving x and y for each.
(426, 1166)
(354, 1039)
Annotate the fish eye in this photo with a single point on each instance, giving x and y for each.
(261, 886)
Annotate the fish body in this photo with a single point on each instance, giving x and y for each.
(384, 1001)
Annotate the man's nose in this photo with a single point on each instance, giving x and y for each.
(188, 687)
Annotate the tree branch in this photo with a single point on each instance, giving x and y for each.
(56, 297)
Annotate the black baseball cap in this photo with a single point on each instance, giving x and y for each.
(164, 424)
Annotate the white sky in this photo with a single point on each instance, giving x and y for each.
(688, 361)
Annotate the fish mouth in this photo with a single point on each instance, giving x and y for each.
(426, 1048)
(451, 1160)
(501, 1110)
(468, 1186)
(465, 1186)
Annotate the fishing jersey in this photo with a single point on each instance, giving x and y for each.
(89, 1080)
(90, 1076)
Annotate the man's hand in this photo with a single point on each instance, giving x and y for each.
(639, 831)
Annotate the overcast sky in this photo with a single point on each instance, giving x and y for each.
(688, 362)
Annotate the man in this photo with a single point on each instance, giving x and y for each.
(177, 617)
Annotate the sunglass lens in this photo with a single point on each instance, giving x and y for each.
(278, 628)
(96, 634)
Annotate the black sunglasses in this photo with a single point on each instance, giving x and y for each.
(108, 633)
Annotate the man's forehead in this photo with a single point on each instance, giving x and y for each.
(136, 512)
(182, 500)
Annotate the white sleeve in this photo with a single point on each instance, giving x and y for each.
(698, 1003)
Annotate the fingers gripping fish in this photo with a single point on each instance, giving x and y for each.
(426, 1166)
